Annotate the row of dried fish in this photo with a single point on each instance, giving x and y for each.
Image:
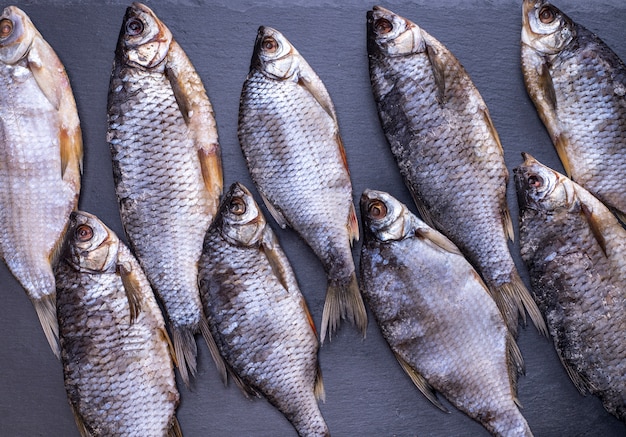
(244, 297)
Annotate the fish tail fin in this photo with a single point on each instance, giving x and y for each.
(46, 309)
(343, 301)
(186, 350)
(514, 300)
(174, 430)
(318, 389)
(213, 349)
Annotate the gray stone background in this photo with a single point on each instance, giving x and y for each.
(367, 392)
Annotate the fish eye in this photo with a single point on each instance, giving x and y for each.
(382, 26)
(237, 206)
(134, 27)
(83, 233)
(546, 15)
(377, 209)
(6, 27)
(535, 181)
(269, 44)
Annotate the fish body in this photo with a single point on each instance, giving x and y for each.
(40, 160)
(117, 366)
(290, 138)
(167, 167)
(578, 85)
(448, 151)
(257, 314)
(437, 316)
(575, 250)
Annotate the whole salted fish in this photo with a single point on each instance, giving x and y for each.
(575, 250)
(167, 168)
(579, 88)
(40, 161)
(438, 317)
(117, 366)
(448, 151)
(257, 314)
(290, 138)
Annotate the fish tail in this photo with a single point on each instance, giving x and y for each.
(186, 351)
(343, 301)
(46, 309)
(514, 300)
(213, 349)
(318, 389)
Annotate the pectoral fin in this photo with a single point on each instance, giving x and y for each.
(48, 71)
(438, 70)
(437, 238)
(312, 83)
(132, 288)
(595, 225)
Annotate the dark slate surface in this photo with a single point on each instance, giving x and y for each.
(367, 392)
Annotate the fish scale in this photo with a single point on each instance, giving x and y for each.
(258, 315)
(166, 167)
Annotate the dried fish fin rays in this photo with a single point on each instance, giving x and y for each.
(353, 225)
(47, 314)
(439, 72)
(212, 174)
(274, 212)
(44, 66)
(438, 239)
(186, 350)
(319, 390)
(594, 225)
(133, 289)
(80, 423)
(421, 383)
(343, 301)
(175, 430)
(308, 79)
(213, 350)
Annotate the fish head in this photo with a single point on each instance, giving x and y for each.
(384, 217)
(545, 28)
(17, 33)
(542, 189)
(90, 245)
(242, 222)
(274, 55)
(392, 34)
(144, 40)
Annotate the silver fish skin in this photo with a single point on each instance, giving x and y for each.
(290, 138)
(578, 85)
(117, 366)
(167, 168)
(40, 161)
(437, 316)
(448, 151)
(258, 315)
(575, 250)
